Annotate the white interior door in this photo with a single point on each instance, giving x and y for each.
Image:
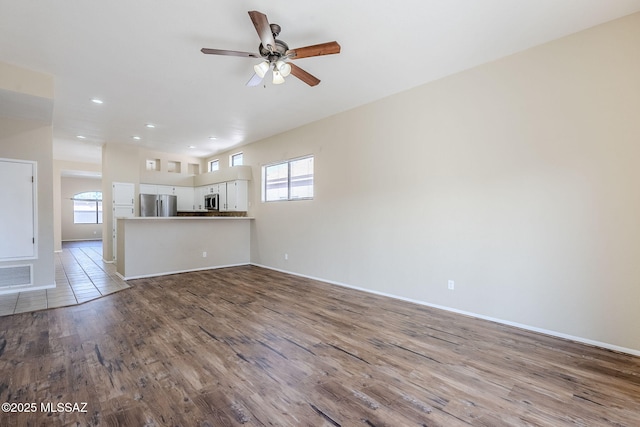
(17, 217)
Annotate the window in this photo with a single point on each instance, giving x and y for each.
(290, 180)
(87, 208)
(236, 159)
(214, 165)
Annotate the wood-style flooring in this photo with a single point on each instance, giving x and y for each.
(250, 346)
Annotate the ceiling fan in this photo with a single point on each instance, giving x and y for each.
(276, 53)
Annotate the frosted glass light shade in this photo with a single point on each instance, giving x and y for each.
(261, 68)
(277, 77)
(284, 68)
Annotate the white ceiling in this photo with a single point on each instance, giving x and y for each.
(143, 59)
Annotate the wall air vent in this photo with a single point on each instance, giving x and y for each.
(16, 275)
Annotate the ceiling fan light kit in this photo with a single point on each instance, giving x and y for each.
(261, 68)
(277, 77)
(277, 53)
(283, 67)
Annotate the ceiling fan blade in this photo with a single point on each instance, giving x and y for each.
(229, 53)
(263, 28)
(255, 80)
(303, 75)
(329, 48)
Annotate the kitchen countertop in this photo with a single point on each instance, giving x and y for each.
(184, 218)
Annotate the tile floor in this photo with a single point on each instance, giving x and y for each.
(81, 276)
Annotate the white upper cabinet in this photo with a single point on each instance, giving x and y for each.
(236, 199)
(122, 198)
(185, 195)
(186, 198)
(148, 189)
(198, 201)
(123, 193)
(222, 191)
(167, 189)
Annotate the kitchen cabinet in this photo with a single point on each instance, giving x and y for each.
(123, 193)
(167, 189)
(148, 189)
(157, 189)
(233, 195)
(186, 198)
(212, 189)
(199, 193)
(122, 196)
(185, 195)
(236, 197)
(222, 191)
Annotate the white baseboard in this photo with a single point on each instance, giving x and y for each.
(605, 345)
(168, 273)
(29, 288)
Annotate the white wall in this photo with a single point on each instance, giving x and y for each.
(518, 179)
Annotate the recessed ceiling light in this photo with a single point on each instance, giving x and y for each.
(96, 101)
(212, 138)
(192, 146)
(150, 125)
(81, 137)
(137, 138)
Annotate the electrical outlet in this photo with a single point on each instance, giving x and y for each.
(286, 256)
(204, 254)
(451, 285)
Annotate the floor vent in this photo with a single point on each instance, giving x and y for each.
(17, 275)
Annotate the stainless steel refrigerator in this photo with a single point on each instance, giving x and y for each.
(158, 205)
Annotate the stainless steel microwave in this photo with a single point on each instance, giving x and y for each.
(211, 202)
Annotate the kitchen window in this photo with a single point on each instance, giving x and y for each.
(214, 165)
(87, 208)
(289, 180)
(236, 159)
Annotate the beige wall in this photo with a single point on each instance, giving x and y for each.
(69, 231)
(24, 140)
(158, 246)
(26, 107)
(26, 82)
(183, 178)
(518, 179)
(126, 163)
(119, 164)
(60, 167)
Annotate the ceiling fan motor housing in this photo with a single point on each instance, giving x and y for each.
(279, 50)
(275, 30)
